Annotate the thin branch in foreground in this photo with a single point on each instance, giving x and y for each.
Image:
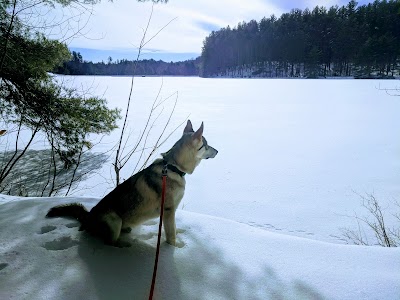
(120, 160)
(375, 222)
(117, 167)
(156, 146)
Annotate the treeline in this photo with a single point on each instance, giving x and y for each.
(77, 66)
(361, 41)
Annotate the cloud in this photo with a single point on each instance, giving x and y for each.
(120, 24)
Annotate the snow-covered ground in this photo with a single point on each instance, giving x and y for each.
(215, 259)
(260, 221)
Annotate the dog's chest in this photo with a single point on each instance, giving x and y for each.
(174, 193)
(150, 203)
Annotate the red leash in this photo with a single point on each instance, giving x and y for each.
(164, 183)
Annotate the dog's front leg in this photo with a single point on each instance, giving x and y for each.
(169, 225)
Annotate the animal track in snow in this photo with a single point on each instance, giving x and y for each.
(147, 236)
(180, 244)
(263, 226)
(60, 244)
(269, 225)
(46, 229)
(339, 238)
(273, 228)
(72, 225)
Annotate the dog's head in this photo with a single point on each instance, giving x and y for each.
(190, 149)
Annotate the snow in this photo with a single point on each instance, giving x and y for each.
(262, 220)
(294, 155)
(216, 258)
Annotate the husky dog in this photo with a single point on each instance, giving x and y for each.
(139, 198)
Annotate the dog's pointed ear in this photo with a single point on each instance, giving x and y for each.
(199, 133)
(188, 128)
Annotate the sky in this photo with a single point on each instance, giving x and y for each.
(116, 28)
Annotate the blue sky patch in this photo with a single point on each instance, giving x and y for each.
(207, 26)
(131, 54)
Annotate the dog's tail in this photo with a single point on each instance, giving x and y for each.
(73, 210)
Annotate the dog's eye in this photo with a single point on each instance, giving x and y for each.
(205, 145)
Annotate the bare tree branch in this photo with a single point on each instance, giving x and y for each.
(121, 160)
(375, 222)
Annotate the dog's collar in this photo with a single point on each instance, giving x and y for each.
(173, 168)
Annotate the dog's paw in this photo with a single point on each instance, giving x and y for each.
(179, 244)
(176, 244)
(172, 242)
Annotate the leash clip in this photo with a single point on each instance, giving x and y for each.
(165, 170)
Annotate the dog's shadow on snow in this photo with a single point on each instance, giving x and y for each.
(198, 271)
(221, 278)
(126, 273)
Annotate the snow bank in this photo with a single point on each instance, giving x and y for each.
(215, 259)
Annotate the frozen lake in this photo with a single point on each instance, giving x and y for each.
(293, 154)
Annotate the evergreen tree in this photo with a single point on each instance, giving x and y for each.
(339, 41)
(30, 97)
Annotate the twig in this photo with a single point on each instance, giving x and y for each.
(119, 161)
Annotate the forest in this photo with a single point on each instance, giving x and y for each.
(351, 40)
(78, 66)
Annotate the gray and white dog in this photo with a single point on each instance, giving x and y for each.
(139, 198)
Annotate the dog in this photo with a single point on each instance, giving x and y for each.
(138, 199)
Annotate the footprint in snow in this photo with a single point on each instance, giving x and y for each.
(147, 236)
(72, 225)
(3, 265)
(46, 229)
(267, 225)
(179, 244)
(60, 244)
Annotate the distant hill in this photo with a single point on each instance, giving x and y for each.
(78, 66)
